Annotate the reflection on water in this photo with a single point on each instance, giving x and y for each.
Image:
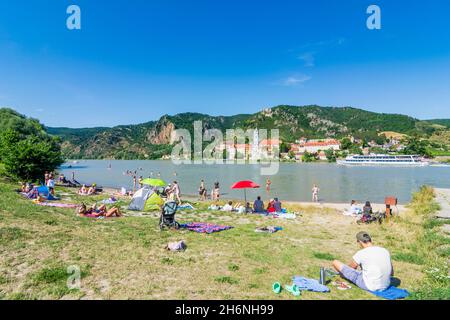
(293, 181)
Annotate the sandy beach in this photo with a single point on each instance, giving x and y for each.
(319, 205)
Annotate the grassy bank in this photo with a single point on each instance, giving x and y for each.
(125, 258)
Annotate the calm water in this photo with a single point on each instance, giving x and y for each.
(293, 181)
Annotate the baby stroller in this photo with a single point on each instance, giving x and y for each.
(168, 212)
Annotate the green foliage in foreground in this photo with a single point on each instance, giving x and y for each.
(27, 158)
(436, 284)
(26, 150)
(126, 258)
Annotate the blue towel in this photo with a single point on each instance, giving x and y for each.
(391, 293)
(185, 206)
(309, 284)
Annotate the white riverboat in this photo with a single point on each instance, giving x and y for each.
(384, 160)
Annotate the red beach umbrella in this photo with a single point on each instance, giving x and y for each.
(245, 184)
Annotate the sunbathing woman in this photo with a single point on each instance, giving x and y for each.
(91, 190)
(83, 190)
(93, 212)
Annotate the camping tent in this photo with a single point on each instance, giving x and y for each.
(145, 199)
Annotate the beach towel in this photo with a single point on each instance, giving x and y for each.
(202, 227)
(306, 284)
(186, 206)
(108, 201)
(284, 215)
(391, 293)
(57, 205)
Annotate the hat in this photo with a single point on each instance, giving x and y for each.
(363, 237)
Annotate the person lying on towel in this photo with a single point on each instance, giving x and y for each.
(94, 212)
(375, 263)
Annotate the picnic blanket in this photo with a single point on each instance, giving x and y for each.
(202, 227)
(309, 284)
(57, 205)
(391, 293)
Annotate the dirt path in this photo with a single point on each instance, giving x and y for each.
(443, 198)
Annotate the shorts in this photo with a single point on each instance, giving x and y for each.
(353, 276)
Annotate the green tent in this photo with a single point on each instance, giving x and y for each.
(154, 182)
(153, 203)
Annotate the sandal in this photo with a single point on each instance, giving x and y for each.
(341, 285)
(293, 289)
(276, 287)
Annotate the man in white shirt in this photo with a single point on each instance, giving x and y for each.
(228, 207)
(375, 263)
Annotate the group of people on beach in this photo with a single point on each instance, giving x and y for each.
(102, 211)
(49, 178)
(203, 192)
(85, 191)
(274, 206)
(173, 192)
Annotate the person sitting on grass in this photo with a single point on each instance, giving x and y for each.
(83, 190)
(277, 205)
(228, 207)
(270, 207)
(248, 208)
(91, 190)
(354, 208)
(258, 206)
(367, 210)
(375, 263)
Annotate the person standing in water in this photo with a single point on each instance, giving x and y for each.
(268, 183)
(315, 193)
(134, 184)
(176, 191)
(202, 191)
(216, 191)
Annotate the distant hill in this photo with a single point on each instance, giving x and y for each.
(10, 119)
(442, 122)
(151, 140)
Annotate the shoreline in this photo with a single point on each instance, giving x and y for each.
(318, 205)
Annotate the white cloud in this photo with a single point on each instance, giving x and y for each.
(295, 80)
(39, 110)
(325, 43)
(308, 59)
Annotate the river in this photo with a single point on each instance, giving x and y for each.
(293, 182)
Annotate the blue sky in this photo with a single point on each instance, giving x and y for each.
(134, 61)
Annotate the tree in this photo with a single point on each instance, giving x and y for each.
(355, 149)
(331, 157)
(416, 146)
(308, 157)
(346, 144)
(28, 158)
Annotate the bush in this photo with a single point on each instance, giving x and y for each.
(27, 158)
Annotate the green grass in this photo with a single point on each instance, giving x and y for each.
(430, 249)
(323, 256)
(226, 279)
(408, 257)
(126, 258)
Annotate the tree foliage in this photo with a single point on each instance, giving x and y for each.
(26, 150)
